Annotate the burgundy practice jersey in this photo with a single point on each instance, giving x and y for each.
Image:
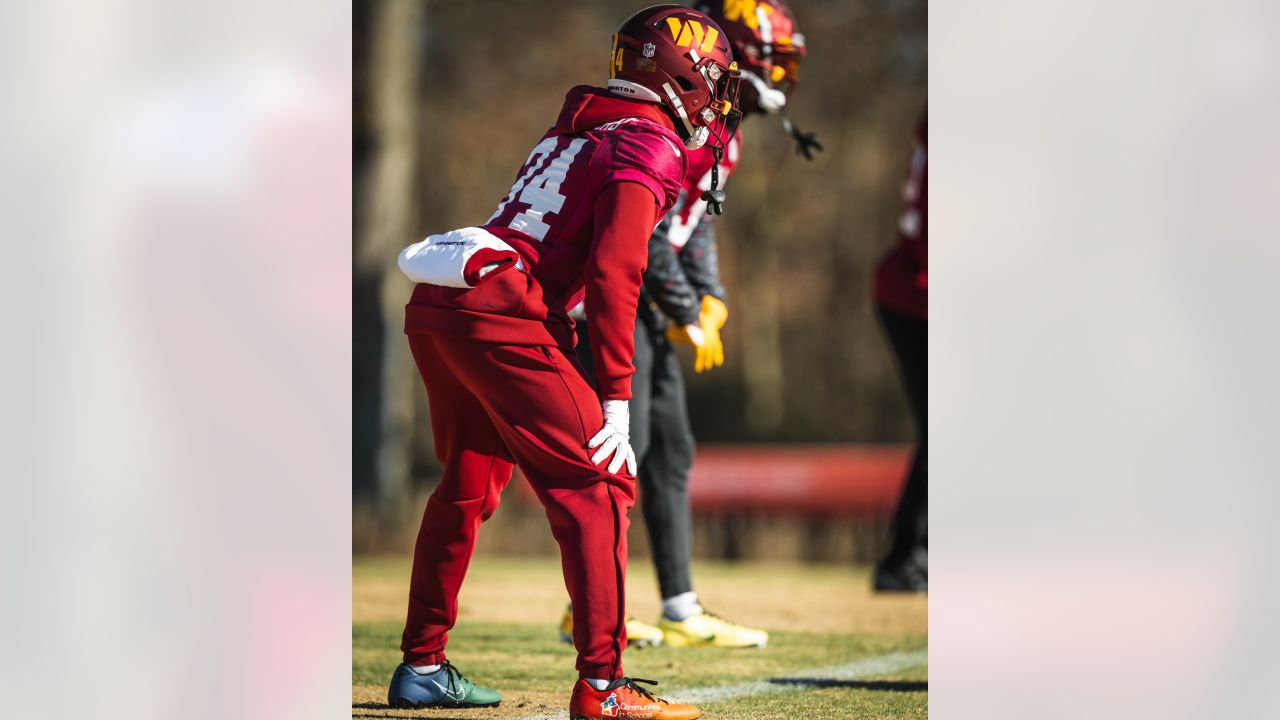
(553, 199)
(549, 218)
(548, 215)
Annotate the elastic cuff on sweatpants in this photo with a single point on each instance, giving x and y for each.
(434, 658)
(601, 672)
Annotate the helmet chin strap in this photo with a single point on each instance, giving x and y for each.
(698, 138)
(694, 137)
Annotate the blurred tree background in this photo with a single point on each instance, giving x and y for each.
(450, 95)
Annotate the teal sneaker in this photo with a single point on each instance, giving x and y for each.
(444, 688)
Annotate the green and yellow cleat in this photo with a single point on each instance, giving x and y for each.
(710, 630)
(445, 688)
(639, 634)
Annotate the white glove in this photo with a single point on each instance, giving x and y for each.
(771, 100)
(443, 259)
(614, 438)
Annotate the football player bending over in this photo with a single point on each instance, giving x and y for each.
(490, 333)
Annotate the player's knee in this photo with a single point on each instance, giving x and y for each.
(445, 509)
(489, 507)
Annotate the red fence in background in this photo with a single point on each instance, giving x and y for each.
(846, 480)
(810, 480)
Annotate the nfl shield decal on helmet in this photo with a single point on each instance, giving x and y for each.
(649, 50)
(610, 705)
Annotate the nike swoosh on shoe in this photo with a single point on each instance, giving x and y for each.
(445, 690)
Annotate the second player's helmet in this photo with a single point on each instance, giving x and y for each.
(765, 42)
(678, 58)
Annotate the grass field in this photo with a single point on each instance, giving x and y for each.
(836, 650)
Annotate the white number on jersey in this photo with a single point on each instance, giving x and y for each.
(540, 190)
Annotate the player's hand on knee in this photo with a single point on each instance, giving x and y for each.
(613, 439)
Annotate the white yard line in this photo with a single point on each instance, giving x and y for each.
(866, 667)
(858, 669)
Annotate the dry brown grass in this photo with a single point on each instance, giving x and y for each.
(821, 598)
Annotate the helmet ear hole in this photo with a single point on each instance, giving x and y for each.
(684, 84)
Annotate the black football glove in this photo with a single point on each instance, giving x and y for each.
(806, 142)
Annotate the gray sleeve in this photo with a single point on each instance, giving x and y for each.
(666, 281)
(700, 262)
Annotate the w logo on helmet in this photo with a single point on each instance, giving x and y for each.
(691, 33)
(741, 10)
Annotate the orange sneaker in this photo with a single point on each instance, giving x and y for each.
(623, 698)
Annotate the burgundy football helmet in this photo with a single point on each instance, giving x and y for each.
(678, 58)
(765, 43)
(765, 40)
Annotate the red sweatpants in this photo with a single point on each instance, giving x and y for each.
(494, 405)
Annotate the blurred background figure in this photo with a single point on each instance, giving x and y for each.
(901, 293)
(682, 302)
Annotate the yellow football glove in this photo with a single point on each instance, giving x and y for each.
(714, 310)
(710, 354)
(685, 335)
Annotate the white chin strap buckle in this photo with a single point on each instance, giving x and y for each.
(771, 100)
(698, 138)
